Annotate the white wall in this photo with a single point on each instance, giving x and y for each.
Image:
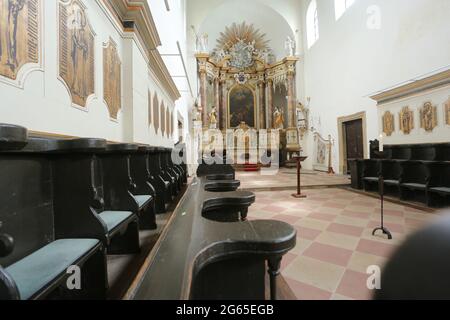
(43, 104)
(349, 62)
(438, 97)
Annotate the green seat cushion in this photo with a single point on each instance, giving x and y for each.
(113, 219)
(142, 200)
(371, 179)
(417, 186)
(36, 271)
(441, 190)
(391, 182)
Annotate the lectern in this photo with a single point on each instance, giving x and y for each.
(299, 161)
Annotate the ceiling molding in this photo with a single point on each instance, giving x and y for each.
(135, 16)
(417, 86)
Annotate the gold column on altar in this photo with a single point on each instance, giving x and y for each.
(217, 100)
(269, 86)
(291, 100)
(203, 94)
(223, 119)
(262, 109)
(202, 61)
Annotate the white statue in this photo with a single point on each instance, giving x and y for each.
(290, 46)
(204, 43)
(201, 41)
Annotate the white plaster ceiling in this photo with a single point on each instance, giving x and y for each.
(262, 16)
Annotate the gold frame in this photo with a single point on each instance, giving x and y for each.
(255, 105)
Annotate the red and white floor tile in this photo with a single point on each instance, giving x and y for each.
(335, 245)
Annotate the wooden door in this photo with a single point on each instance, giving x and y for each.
(354, 141)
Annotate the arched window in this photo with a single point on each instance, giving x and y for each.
(340, 6)
(156, 113)
(312, 23)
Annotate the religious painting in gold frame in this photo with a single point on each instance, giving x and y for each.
(406, 120)
(19, 35)
(428, 117)
(112, 78)
(76, 51)
(388, 123)
(242, 106)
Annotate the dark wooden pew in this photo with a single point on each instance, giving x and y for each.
(141, 176)
(162, 184)
(439, 184)
(180, 152)
(391, 170)
(215, 169)
(36, 251)
(400, 152)
(165, 173)
(200, 258)
(119, 188)
(371, 174)
(86, 202)
(356, 172)
(414, 181)
(171, 169)
(408, 170)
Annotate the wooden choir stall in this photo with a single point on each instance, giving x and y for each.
(74, 202)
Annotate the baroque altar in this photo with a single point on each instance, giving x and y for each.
(243, 85)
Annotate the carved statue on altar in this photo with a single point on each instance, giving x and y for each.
(290, 46)
(213, 118)
(278, 119)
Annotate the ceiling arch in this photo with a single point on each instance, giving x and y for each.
(262, 16)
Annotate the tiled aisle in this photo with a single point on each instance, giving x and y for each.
(335, 245)
(287, 179)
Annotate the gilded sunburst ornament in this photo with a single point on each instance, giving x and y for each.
(245, 33)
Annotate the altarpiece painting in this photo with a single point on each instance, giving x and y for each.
(242, 107)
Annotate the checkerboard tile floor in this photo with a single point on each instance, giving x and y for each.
(287, 178)
(335, 245)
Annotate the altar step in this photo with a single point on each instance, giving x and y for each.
(247, 167)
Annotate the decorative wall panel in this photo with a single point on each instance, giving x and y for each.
(150, 111)
(428, 117)
(156, 113)
(447, 112)
(19, 35)
(112, 79)
(76, 51)
(406, 120)
(388, 123)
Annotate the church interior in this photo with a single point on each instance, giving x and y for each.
(224, 150)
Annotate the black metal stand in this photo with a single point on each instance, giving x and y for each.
(382, 228)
